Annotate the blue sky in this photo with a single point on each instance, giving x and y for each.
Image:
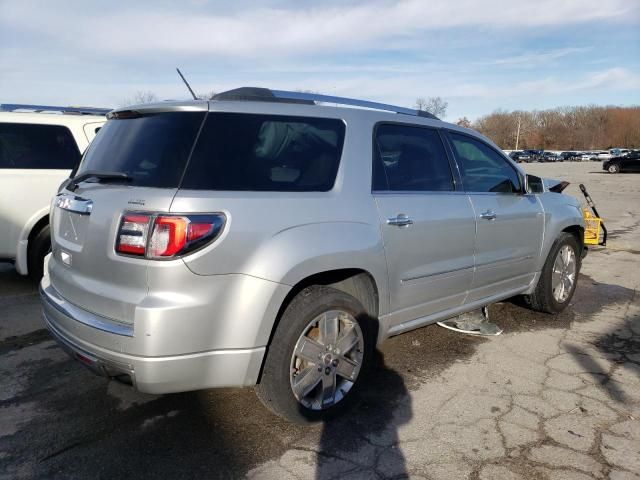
(479, 56)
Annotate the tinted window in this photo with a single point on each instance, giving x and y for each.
(482, 168)
(410, 159)
(151, 149)
(266, 153)
(31, 146)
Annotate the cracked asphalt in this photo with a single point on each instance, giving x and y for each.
(550, 398)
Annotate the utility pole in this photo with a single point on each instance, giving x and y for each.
(518, 132)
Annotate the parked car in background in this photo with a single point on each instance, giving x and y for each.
(550, 157)
(260, 238)
(602, 155)
(629, 163)
(534, 154)
(619, 152)
(39, 146)
(519, 156)
(570, 156)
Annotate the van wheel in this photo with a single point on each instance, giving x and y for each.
(318, 356)
(39, 247)
(559, 276)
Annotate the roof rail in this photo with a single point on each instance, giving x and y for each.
(266, 95)
(12, 107)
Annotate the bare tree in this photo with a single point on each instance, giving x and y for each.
(565, 128)
(140, 97)
(434, 105)
(464, 122)
(206, 95)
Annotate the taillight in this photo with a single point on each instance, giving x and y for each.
(170, 235)
(132, 236)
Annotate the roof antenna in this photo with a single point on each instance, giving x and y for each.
(186, 83)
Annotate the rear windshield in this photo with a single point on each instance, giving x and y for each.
(30, 146)
(151, 149)
(266, 153)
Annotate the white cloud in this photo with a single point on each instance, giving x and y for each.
(132, 28)
(532, 59)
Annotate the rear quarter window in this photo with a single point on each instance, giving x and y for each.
(31, 146)
(238, 151)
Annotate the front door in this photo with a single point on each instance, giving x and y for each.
(510, 223)
(428, 227)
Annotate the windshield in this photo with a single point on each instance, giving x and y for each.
(151, 149)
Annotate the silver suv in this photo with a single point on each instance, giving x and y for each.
(263, 239)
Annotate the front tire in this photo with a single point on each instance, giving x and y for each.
(318, 356)
(614, 168)
(558, 278)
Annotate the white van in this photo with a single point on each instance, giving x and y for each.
(39, 146)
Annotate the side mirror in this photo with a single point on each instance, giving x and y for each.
(534, 184)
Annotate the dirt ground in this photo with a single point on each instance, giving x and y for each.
(550, 398)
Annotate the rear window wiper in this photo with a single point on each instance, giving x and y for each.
(99, 175)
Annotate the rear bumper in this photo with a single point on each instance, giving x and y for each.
(73, 328)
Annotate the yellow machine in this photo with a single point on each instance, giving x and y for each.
(595, 233)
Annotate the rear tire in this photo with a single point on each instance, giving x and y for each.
(39, 247)
(559, 276)
(305, 356)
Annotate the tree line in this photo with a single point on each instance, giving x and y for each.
(565, 128)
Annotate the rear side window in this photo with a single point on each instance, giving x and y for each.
(408, 158)
(266, 153)
(30, 146)
(152, 149)
(482, 168)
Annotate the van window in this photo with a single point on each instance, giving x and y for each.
(410, 158)
(30, 146)
(237, 151)
(482, 168)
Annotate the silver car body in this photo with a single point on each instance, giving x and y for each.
(205, 320)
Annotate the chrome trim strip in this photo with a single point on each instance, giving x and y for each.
(500, 263)
(446, 272)
(72, 203)
(53, 299)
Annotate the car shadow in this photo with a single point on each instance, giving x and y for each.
(364, 441)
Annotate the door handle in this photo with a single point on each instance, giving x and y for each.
(488, 215)
(401, 220)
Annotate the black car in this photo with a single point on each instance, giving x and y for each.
(570, 156)
(519, 157)
(534, 155)
(550, 157)
(628, 163)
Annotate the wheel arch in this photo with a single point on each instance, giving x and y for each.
(356, 282)
(31, 228)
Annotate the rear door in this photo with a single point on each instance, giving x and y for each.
(152, 149)
(427, 226)
(510, 223)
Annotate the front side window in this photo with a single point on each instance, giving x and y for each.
(237, 151)
(482, 168)
(31, 146)
(409, 158)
